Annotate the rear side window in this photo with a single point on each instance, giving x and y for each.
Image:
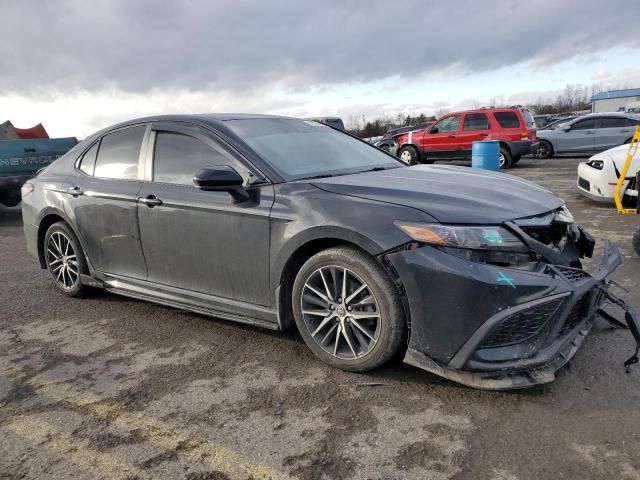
(612, 122)
(584, 124)
(177, 158)
(118, 154)
(88, 162)
(631, 122)
(507, 119)
(475, 121)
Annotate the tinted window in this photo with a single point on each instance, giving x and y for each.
(177, 158)
(584, 124)
(118, 154)
(631, 122)
(611, 122)
(88, 162)
(299, 148)
(449, 124)
(476, 121)
(507, 119)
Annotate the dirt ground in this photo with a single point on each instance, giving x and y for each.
(108, 387)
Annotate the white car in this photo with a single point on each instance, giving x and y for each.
(598, 176)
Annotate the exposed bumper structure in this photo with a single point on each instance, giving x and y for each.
(469, 326)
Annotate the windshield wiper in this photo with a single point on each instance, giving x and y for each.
(324, 175)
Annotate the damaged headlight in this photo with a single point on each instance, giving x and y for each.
(493, 245)
(563, 215)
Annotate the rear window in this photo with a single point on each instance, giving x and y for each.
(88, 162)
(529, 121)
(508, 119)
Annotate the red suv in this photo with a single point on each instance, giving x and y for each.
(450, 137)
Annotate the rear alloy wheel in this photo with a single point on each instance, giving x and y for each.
(409, 155)
(505, 158)
(347, 310)
(65, 260)
(544, 150)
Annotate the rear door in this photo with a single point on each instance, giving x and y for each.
(580, 138)
(202, 241)
(612, 131)
(102, 202)
(441, 140)
(475, 127)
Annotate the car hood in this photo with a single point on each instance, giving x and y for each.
(449, 194)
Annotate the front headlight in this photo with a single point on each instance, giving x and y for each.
(564, 215)
(472, 237)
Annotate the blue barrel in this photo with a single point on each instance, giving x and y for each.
(486, 154)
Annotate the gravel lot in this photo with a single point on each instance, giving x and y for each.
(109, 387)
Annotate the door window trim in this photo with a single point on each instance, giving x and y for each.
(208, 137)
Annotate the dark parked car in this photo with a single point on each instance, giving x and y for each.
(388, 142)
(274, 221)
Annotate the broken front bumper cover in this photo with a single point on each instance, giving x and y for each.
(477, 366)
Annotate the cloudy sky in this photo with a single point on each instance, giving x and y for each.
(78, 66)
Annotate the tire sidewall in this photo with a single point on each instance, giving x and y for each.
(412, 151)
(507, 158)
(391, 316)
(83, 269)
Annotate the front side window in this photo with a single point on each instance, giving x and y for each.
(177, 158)
(119, 153)
(449, 124)
(300, 149)
(475, 121)
(507, 119)
(584, 124)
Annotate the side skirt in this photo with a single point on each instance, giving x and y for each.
(197, 302)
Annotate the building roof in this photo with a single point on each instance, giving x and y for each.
(629, 92)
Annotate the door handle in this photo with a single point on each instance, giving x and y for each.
(624, 131)
(451, 136)
(150, 200)
(591, 132)
(484, 134)
(75, 191)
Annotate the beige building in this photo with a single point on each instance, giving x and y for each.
(614, 100)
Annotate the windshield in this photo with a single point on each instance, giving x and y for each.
(301, 148)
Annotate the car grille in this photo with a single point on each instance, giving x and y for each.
(521, 325)
(572, 274)
(578, 313)
(582, 183)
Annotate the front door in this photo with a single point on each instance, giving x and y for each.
(102, 203)
(580, 138)
(441, 140)
(196, 240)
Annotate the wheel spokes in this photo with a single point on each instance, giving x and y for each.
(62, 260)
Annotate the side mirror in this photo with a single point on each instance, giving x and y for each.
(221, 178)
(434, 130)
(565, 128)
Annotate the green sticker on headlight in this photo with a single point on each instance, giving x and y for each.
(508, 280)
(493, 236)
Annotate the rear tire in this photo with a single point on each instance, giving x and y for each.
(409, 155)
(516, 159)
(355, 326)
(545, 150)
(636, 242)
(505, 158)
(65, 260)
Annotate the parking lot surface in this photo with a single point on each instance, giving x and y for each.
(108, 387)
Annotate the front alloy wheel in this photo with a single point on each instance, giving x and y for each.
(347, 309)
(341, 312)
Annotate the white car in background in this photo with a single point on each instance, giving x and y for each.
(598, 176)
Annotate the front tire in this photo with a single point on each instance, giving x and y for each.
(347, 309)
(65, 260)
(545, 150)
(409, 155)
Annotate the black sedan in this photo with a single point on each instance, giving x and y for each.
(277, 222)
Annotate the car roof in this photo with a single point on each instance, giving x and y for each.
(610, 114)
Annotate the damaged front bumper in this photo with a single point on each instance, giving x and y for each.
(470, 326)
